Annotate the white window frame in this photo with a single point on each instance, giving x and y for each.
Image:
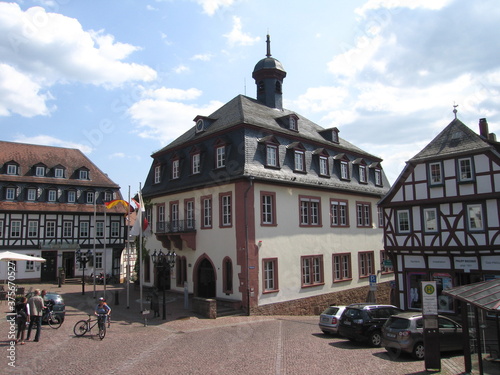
(30, 265)
(207, 212)
(299, 160)
(90, 196)
(267, 205)
(157, 174)
(84, 174)
(344, 170)
(15, 229)
(67, 229)
(221, 157)
(475, 217)
(40, 171)
(71, 196)
(10, 193)
(310, 211)
(362, 174)
(195, 164)
(342, 267)
(430, 214)
(83, 229)
(52, 195)
(98, 260)
(115, 229)
(226, 210)
(190, 214)
(32, 193)
(11, 169)
(270, 275)
(50, 229)
(366, 263)
(59, 173)
(363, 214)
(99, 229)
(339, 213)
(378, 177)
(1, 228)
(323, 166)
(435, 173)
(175, 169)
(403, 221)
(32, 229)
(465, 169)
(312, 270)
(271, 155)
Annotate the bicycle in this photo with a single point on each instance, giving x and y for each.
(51, 318)
(83, 326)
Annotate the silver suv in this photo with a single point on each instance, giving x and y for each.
(404, 332)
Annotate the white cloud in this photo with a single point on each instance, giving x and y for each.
(161, 116)
(181, 69)
(47, 140)
(202, 57)
(49, 48)
(236, 37)
(410, 4)
(211, 6)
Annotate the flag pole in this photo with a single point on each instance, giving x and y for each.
(93, 249)
(127, 243)
(141, 265)
(104, 254)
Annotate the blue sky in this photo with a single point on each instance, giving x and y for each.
(122, 79)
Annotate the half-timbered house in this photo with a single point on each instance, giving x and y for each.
(442, 215)
(51, 205)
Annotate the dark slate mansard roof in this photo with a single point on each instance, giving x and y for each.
(241, 123)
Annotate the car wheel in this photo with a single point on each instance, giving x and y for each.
(375, 338)
(419, 351)
(325, 332)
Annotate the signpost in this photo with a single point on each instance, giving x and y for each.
(431, 326)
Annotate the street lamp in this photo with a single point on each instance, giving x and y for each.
(83, 258)
(165, 262)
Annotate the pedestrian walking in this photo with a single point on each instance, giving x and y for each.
(36, 307)
(22, 316)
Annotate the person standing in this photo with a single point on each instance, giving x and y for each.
(36, 307)
(22, 316)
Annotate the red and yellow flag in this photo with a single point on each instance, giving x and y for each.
(113, 203)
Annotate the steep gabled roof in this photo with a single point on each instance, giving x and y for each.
(455, 139)
(244, 110)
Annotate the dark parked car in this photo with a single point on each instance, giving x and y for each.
(363, 321)
(58, 305)
(405, 332)
(329, 319)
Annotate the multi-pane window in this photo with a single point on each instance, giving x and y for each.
(363, 214)
(1, 228)
(15, 228)
(52, 195)
(220, 156)
(225, 209)
(99, 229)
(268, 208)
(195, 164)
(160, 211)
(59, 173)
(342, 267)
(67, 229)
(11, 169)
(98, 260)
(435, 174)
(362, 173)
(272, 155)
(10, 193)
(338, 212)
(174, 216)
(270, 267)
(312, 270)
(189, 213)
(465, 170)
(323, 166)
(344, 170)
(30, 265)
(299, 161)
(378, 177)
(32, 194)
(108, 196)
(90, 197)
(71, 196)
(206, 204)
(84, 229)
(430, 220)
(40, 171)
(366, 263)
(175, 169)
(309, 211)
(380, 215)
(475, 217)
(50, 229)
(115, 229)
(403, 221)
(32, 229)
(157, 174)
(84, 174)
(386, 263)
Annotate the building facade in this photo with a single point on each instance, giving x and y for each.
(51, 206)
(265, 208)
(442, 215)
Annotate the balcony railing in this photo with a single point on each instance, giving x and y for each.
(177, 226)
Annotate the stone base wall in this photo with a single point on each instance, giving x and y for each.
(315, 305)
(205, 307)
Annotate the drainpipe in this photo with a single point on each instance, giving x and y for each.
(250, 179)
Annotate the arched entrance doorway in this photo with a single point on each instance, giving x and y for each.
(205, 280)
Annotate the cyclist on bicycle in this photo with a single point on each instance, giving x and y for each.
(103, 309)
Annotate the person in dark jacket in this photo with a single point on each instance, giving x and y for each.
(22, 317)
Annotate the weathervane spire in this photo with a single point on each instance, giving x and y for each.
(455, 109)
(268, 42)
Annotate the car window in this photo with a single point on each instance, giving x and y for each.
(331, 310)
(353, 313)
(398, 323)
(445, 323)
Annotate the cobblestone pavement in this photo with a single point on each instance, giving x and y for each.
(186, 343)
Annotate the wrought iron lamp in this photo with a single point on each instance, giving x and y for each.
(164, 262)
(83, 259)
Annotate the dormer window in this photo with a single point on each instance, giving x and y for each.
(175, 169)
(11, 169)
(220, 153)
(299, 157)
(335, 135)
(40, 171)
(322, 156)
(272, 151)
(342, 166)
(52, 195)
(293, 123)
(378, 177)
(59, 173)
(83, 174)
(31, 196)
(90, 197)
(344, 170)
(200, 126)
(157, 176)
(10, 193)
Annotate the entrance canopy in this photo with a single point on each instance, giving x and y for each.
(485, 295)
(9, 255)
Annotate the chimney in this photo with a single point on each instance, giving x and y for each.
(483, 128)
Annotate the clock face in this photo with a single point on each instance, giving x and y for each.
(199, 126)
